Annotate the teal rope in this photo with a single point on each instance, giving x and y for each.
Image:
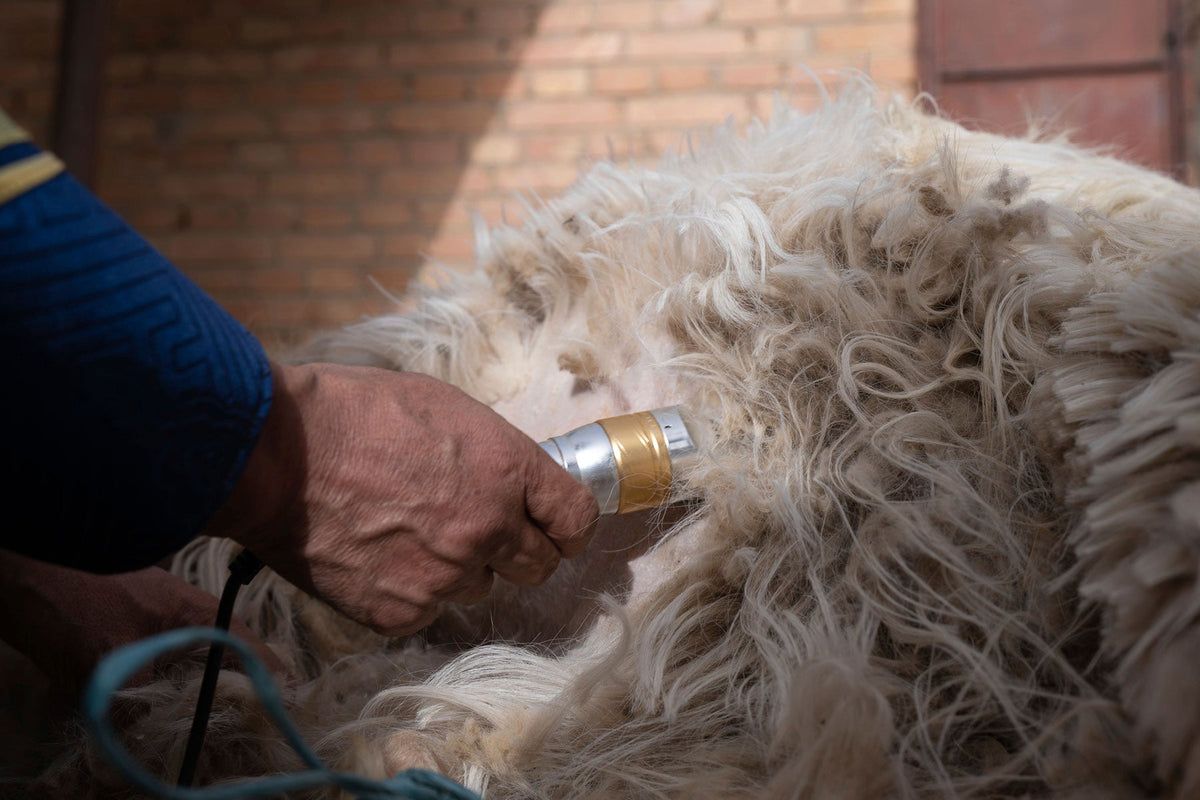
(119, 666)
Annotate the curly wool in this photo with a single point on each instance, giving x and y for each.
(943, 540)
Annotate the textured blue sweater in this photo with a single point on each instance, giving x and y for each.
(131, 399)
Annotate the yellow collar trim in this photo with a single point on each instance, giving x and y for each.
(28, 173)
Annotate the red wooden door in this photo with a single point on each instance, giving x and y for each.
(1111, 72)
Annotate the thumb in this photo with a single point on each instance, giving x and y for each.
(558, 504)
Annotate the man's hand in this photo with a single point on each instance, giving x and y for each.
(65, 620)
(387, 494)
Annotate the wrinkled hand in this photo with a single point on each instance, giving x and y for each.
(387, 494)
(65, 620)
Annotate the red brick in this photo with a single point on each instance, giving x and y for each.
(497, 84)
(554, 147)
(343, 311)
(30, 72)
(700, 43)
(288, 312)
(754, 75)
(899, 8)
(622, 80)
(416, 181)
(275, 279)
(436, 118)
(219, 280)
(391, 89)
(318, 154)
(568, 114)
(788, 41)
(216, 247)
(225, 216)
(378, 152)
(321, 92)
(393, 279)
(261, 154)
(500, 19)
(819, 9)
(327, 247)
(430, 21)
(154, 97)
(205, 155)
(439, 86)
(453, 216)
(542, 178)
(403, 245)
(312, 121)
(435, 151)
(616, 147)
(888, 71)
(259, 94)
(474, 180)
(210, 186)
(120, 67)
(227, 63)
(679, 110)
(495, 149)
(201, 34)
(315, 28)
(868, 37)
(748, 11)
(624, 14)
(317, 185)
(151, 219)
(688, 13)
(589, 48)
(385, 214)
(273, 216)
(211, 95)
(684, 78)
(553, 83)
(334, 279)
(565, 17)
(326, 217)
(328, 58)
(265, 30)
(224, 125)
(452, 52)
(450, 248)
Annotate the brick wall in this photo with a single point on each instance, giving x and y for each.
(288, 153)
(28, 62)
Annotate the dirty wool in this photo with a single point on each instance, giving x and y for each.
(944, 537)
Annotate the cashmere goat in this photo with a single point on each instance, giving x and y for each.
(944, 536)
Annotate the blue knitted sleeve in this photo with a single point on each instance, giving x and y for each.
(132, 400)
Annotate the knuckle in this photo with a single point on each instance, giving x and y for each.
(480, 589)
(402, 619)
(540, 572)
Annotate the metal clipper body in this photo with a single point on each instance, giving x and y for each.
(628, 462)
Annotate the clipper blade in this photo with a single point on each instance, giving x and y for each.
(630, 462)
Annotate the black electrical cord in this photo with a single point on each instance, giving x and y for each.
(242, 569)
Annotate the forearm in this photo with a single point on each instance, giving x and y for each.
(137, 400)
(65, 620)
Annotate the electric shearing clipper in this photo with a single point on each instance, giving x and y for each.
(630, 462)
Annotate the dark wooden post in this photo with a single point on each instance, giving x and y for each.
(80, 81)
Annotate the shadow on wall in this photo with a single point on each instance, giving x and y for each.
(28, 60)
(292, 156)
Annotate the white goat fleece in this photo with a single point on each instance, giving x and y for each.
(944, 537)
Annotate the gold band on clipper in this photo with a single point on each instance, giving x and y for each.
(643, 461)
(631, 462)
